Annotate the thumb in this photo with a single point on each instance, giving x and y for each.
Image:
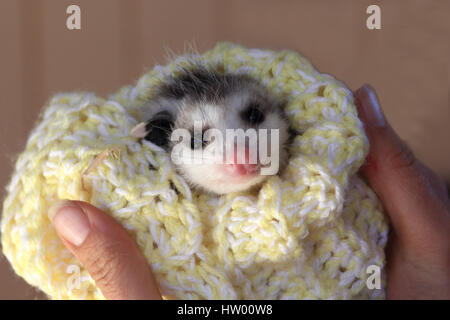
(414, 197)
(105, 249)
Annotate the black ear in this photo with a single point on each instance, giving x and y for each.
(159, 128)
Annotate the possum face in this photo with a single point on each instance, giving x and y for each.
(225, 133)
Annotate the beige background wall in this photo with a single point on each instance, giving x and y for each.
(406, 61)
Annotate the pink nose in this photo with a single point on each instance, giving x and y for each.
(241, 169)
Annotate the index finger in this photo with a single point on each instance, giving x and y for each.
(414, 197)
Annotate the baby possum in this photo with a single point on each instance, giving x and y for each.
(222, 101)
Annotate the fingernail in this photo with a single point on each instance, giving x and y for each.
(70, 221)
(370, 105)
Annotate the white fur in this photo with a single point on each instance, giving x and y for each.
(212, 176)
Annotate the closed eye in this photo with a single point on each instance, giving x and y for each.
(159, 129)
(253, 114)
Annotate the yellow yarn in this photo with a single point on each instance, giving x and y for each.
(309, 233)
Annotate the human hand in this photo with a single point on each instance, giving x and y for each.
(105, 249)
(417, 202)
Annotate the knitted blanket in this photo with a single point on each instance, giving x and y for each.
(311, 232)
